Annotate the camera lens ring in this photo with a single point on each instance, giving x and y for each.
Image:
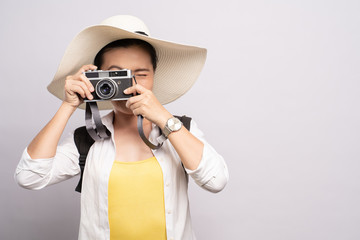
(106, 88)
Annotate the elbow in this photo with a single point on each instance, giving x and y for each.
(216, 183)
(27, 182)
(21, 180)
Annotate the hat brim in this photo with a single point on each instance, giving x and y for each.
(178, 68)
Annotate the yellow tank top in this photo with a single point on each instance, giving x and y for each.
(136, 201)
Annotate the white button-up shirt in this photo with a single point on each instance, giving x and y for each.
(211, 174)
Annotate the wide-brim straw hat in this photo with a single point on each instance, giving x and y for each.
(178, 66)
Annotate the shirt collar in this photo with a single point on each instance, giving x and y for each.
(108, 120)
(155, 134)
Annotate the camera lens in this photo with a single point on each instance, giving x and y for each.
(106, 88)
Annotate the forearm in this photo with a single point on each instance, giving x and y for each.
(189, 148)
(45, 143)
(200, 160)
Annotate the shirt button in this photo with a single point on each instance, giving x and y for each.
(167, 184)
(171, 238)
(169, 211)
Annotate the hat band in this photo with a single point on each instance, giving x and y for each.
(140, 32)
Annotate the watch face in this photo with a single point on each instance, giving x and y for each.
(174, 124)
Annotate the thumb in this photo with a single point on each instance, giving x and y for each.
(135, 89)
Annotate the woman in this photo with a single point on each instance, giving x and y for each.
(129, 191)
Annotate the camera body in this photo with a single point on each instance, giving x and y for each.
(109, 85)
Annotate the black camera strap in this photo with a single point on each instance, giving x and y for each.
(142, 135)
(140, 128)
(100, 132)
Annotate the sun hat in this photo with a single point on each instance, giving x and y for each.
(178, 65)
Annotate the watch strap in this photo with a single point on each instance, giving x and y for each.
(166, 131)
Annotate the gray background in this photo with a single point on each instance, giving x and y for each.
(278, 98)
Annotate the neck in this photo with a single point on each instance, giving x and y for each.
(127, 121)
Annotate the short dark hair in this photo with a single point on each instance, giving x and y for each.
(125, 43)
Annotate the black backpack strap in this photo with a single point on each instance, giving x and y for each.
(83, 142)
(185, 120)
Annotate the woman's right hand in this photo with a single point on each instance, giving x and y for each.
(78, 87)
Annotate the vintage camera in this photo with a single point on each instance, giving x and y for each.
(109, 85)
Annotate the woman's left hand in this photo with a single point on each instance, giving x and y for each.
(147, 105)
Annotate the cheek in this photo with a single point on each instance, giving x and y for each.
(146, 83)
(150, 85)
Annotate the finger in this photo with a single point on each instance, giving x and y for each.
(135, 106)
(82, 86)
(76, 90)
(86, 68)
(137, 112)
(133, 100)
(81, 77)
(87, 82)
(85, 89)
(130, 90)
(135, 89)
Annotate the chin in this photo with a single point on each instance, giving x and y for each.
(120, 106)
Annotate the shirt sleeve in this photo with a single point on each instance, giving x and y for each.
(38, 173)
(212, 173)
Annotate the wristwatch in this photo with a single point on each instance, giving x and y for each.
(172, 125)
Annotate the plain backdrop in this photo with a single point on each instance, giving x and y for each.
(278, 98)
